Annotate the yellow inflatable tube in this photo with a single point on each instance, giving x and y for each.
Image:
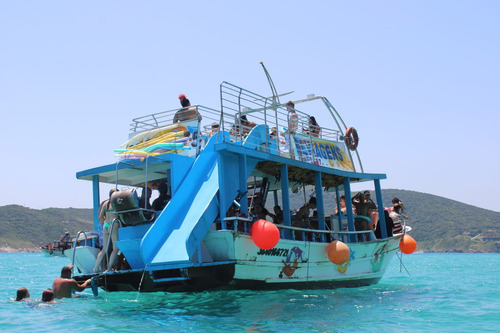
(148, 135)
(163, 138)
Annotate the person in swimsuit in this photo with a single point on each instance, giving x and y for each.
(63, 286)
(293, 124)
(22, 294)
(314, 128)
(108, 217)
(48, 296)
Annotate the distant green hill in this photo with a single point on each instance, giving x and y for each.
(22, 227)
(439, 224)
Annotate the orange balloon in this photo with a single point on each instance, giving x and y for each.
(338, 252)
(265, 234)
(407, 244)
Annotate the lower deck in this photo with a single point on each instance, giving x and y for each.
(232, 261)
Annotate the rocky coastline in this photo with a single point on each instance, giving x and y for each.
(8, 249)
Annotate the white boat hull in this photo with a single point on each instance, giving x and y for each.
(292, 262)
(85, 258)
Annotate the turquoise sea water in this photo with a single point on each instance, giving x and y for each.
(443, 293)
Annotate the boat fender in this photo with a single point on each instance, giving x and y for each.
(265, 234)
(407, 244)
(351, 138)
(338, 252)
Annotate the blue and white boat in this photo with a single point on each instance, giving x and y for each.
(222, 169)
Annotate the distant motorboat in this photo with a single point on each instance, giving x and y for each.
(60, 248)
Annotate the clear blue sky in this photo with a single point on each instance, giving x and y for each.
(419, 80)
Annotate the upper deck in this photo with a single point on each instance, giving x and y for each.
(155, 139)
(238, 102)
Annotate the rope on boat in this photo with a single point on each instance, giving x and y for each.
(401, 264)
(308, 261)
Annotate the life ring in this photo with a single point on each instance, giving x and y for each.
(351, 138)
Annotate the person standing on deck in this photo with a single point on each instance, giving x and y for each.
(293, 124)
(302, 217)
(106, 217)
(343, 207)
(186, 113)
(314, 128)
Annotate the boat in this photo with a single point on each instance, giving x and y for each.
(210, 235)
(64, 246)
(57, 248)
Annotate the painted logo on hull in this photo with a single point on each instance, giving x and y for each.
(289, 267)
(294, 256)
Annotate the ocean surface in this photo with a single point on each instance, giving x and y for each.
(426, 293)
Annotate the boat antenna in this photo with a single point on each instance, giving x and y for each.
(271, 84)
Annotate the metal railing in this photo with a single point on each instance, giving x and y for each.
(237, 104)
(243, 224)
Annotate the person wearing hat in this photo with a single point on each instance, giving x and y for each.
(186, 113)
(64, 285)
(214, 128)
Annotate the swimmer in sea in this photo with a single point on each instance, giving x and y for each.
(22, 294)
(48, 296)
(64, 285)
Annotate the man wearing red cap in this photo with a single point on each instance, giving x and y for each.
(186, 113)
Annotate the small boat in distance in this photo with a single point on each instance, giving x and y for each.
(223, 175)
(57, 248)
(64, 246)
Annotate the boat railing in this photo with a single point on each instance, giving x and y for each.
(238, 103)
(266, 118)
(243, 224)
(199, 130)
(163, 118)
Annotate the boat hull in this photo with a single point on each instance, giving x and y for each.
(236, 263)
(52, 253)
(84, 258)
(299, 264)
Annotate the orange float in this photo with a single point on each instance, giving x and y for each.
(265, 234)
(351, 138)
(407, 244)
(338, 252)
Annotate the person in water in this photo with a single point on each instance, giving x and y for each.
(22, 294)
(48, 296)
(64, 285)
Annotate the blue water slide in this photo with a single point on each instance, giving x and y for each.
(195, 201)
(179, 230)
